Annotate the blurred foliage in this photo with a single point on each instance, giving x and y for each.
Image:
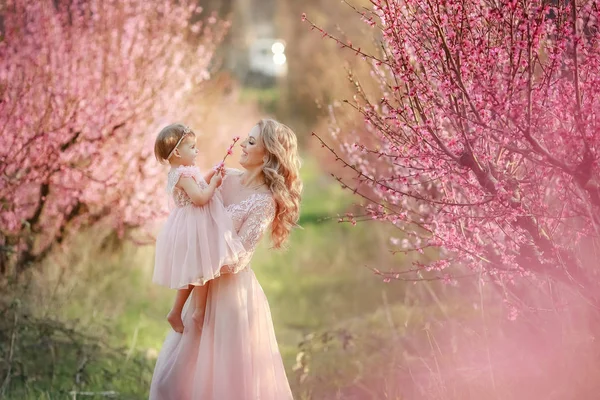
(57, 331)
(93, 322)
(318, 67)
(100, 293)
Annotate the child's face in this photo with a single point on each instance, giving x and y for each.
(253, 150)
(187, 151)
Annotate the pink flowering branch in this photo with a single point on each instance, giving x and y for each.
(484, 135)
(84, 86)
(347, 45)
(221, 164)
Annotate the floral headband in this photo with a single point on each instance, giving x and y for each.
(186, 131)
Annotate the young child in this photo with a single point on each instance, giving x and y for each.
(198, 237)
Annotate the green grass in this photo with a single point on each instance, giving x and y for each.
(266, 98)
(320, 281)
(343, 333)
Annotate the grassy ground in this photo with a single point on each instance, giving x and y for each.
(319, 282)
(91, 324)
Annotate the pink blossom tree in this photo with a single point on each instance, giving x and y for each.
(84, 88)
(483, 139)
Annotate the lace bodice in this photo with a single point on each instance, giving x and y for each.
(180, 197)
(251, 212)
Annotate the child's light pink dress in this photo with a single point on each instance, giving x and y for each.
(195, 241)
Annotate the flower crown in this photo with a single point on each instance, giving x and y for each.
(186, 131)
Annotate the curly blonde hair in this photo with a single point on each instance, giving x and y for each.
(281, 172)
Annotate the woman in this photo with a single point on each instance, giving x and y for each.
(235, 355)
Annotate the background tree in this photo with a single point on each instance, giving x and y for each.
(84, 87)
(483, 138)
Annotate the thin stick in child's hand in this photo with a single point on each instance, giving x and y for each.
(221, 165)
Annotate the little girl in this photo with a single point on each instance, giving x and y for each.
(198, 237)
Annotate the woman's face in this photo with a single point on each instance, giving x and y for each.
(253, 151)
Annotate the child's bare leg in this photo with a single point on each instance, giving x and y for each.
(174, 316)
(200, 294)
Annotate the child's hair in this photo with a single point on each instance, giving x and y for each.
(168, 139)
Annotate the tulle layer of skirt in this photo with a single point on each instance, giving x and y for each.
(194, 244)
(234, 357)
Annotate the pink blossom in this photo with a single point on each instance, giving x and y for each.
(484, 150)
(77, 134)
(219, 166)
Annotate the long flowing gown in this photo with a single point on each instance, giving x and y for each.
(235, 356)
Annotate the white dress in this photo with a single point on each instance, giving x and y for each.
(235, 356)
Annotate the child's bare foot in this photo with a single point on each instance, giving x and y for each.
(174, 319)
(198, 317)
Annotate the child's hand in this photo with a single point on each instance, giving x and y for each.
(217, 179)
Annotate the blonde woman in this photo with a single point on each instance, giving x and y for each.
(234, 356)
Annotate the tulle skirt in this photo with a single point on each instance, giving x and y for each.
(234, 357)
(193, 245)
